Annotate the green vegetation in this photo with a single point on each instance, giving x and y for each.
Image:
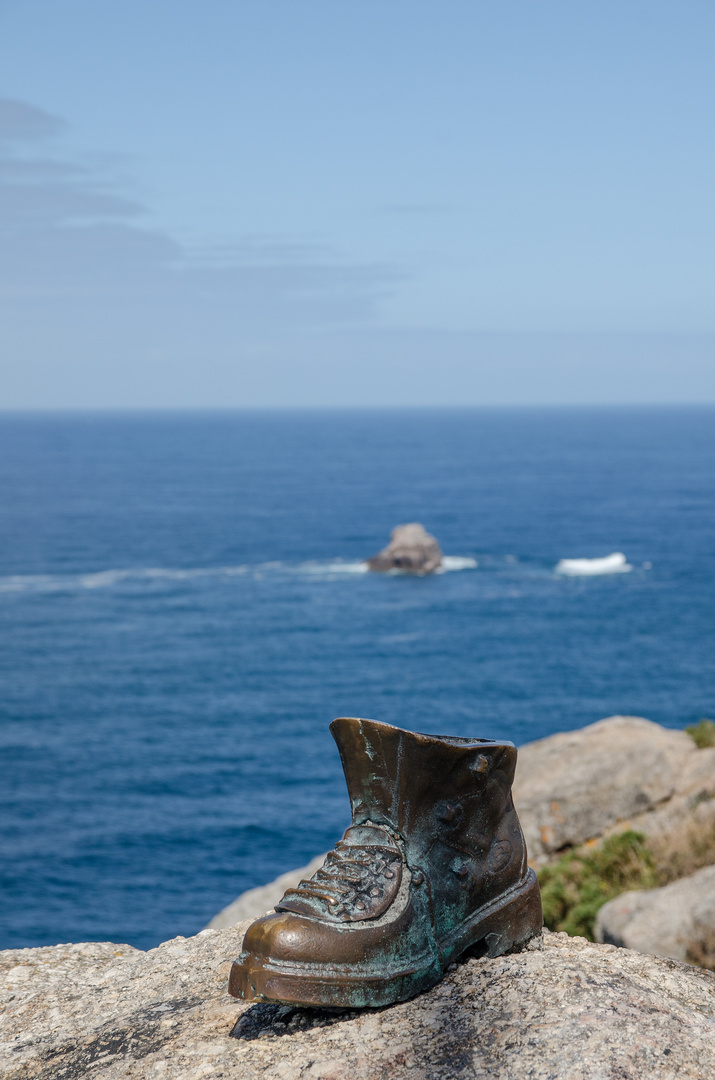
(684, 850)
(702, 733)
(579, 884)
(574, 888)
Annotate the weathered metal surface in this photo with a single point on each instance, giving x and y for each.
(433, 866)
(359, 879)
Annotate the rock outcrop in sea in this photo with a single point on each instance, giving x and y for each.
(412, 550)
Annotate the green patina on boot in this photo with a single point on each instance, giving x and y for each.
(433, 866)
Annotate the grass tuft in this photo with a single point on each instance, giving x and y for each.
(684, 850)
(574, 888)
(579, 884)
(702, 733)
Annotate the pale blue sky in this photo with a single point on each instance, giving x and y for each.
(319, 203)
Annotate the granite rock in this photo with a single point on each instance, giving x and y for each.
(412, 550)
(675, 920)
(563, 1009)
(623, 772)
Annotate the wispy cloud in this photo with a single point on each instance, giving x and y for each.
(98, 307)
(21, 123)
(70, 231)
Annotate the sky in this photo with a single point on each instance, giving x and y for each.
(227, 204)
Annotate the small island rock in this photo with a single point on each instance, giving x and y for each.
(412, 550)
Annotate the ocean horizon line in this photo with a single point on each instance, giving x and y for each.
(12, 412)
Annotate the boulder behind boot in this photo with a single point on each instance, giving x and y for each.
(433, 866)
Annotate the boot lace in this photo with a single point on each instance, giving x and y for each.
(357, 881)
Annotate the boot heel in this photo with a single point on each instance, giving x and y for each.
(512, 924)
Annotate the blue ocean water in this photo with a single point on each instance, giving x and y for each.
(181, 616)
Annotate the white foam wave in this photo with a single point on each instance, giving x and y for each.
(337, 566)
(334, 567)
(456, 562)
(103, 579)
(608, 564)
(21, 583)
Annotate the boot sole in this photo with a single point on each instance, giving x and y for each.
(505, 924)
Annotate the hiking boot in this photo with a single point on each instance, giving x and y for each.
(433, 866)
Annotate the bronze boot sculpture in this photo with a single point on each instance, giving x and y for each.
(433, 865)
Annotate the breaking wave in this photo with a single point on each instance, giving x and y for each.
(334, 567)
(456, 562)
(104, 579)
(449, 563)
(608, 564)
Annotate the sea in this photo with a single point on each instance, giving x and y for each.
(184, 608)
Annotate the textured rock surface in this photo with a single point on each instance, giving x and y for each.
(411, 550)
(570, 1010)
(665, 922)
(622, 771)
(256, 902)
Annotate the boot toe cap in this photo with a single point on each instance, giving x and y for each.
(284, 936)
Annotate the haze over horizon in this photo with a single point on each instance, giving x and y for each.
(314, 205)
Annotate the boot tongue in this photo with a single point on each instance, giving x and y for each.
(358, 880)
(359, 835)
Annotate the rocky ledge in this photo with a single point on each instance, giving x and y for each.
(624, 772)
(677, 920)
(562, 1008)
